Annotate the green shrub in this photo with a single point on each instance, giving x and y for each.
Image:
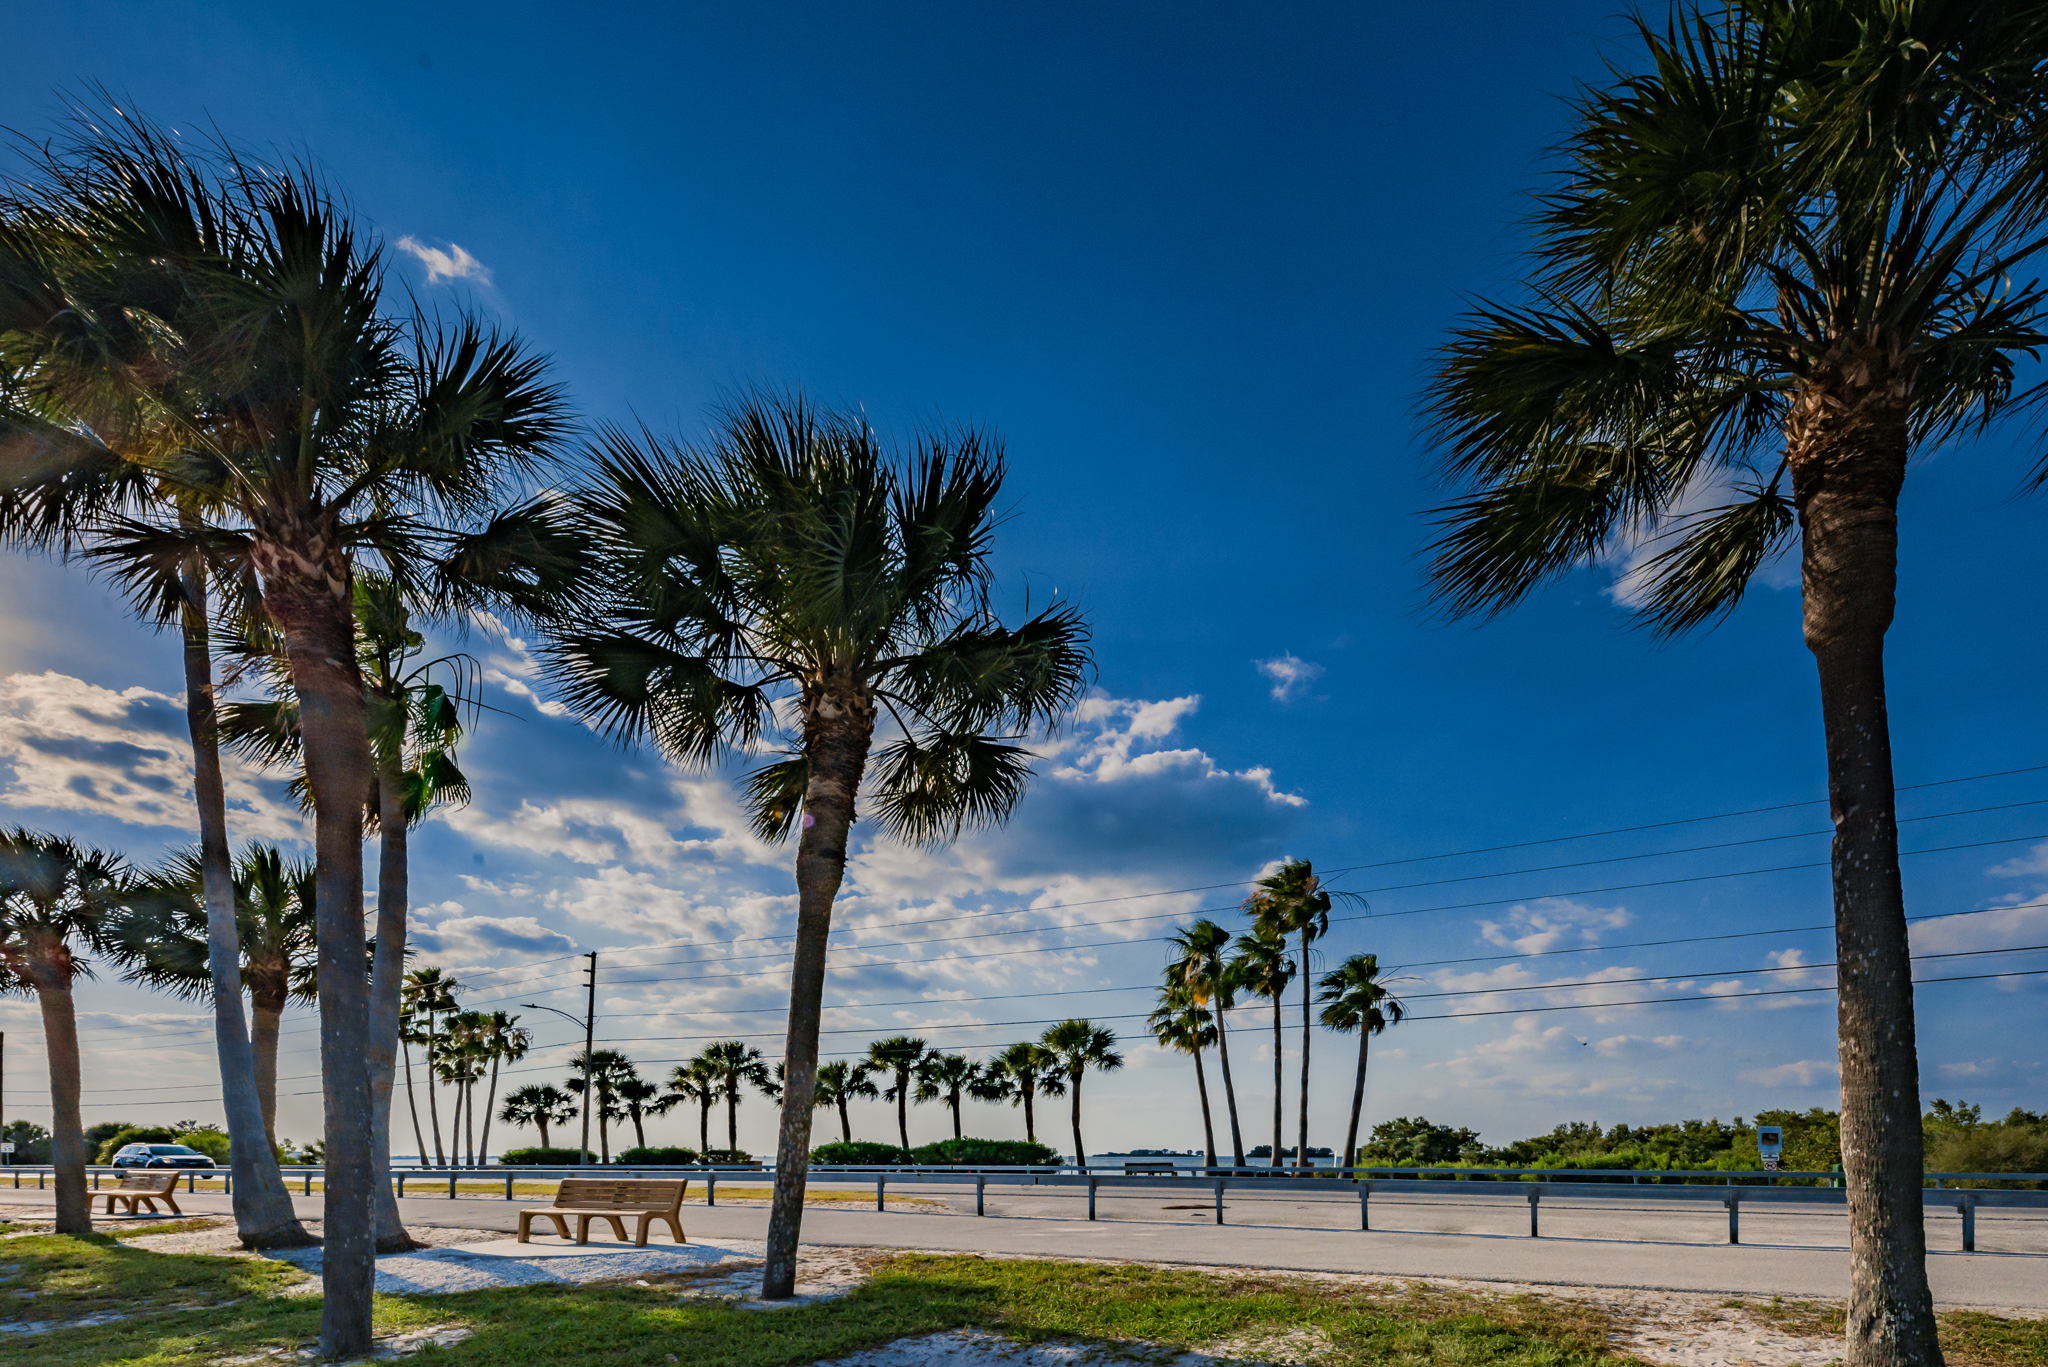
(984, 1153)
(31, 1142)
(133, 1134)
(860, 1153)
(213, 1143)
(542, 1158)
(727, 1156)
(2003, 1146)
(657, 1156)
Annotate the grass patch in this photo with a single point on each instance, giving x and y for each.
(1969, 1338)
(189, 1310)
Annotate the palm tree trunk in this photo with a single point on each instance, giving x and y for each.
(67, 1130)
(1350, 1154)
(703, 1127)
(1279, 1106)
(639, 1133)
(955, 1099)
(732, 1120)
(264, 1014)
(1027, 1090)
(1208, 1122)
(412, 1103)
(540, 1123)
(491, 1104)
(306, 587)
(469, 1119)
(1847, 449)
(1229, 1087)
(264, 1217)
(387, 978)
(1307, 1024)
(845, 1125)
(839, 723)
(433, 1104)
(903, 1110)
(1074, 1088)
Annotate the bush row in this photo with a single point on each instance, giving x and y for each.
(979, 1153)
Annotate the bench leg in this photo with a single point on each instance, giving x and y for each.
(640, 1234)
(675, 1223)
(618, 1224)
(525, 1227)
(168, 1200)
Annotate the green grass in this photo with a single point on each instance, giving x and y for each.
(187, 1310)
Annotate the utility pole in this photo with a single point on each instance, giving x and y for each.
(589, 1063)
(589, 1044)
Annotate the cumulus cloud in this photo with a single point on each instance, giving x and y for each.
(71, 746)
(447, 931)
(1806, 1072)
(1290, 674)
(452, 262)
(1552, 923)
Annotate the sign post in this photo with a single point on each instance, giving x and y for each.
(1770, 1143)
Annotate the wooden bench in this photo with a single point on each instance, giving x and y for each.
(139, 1189)
(613, 1199)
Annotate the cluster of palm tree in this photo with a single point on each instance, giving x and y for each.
(461, 1050)
(910, 1070)
(1210, 967)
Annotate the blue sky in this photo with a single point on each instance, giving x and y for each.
(1190, 260)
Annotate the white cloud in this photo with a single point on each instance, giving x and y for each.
(450, 263)
(1807, 1072)
(72, 746)
(1550, 922)
(1290, 675)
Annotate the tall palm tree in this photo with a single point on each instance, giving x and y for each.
(60, 401)
(1180, 1023)
(539, 1104)
(1291, 900)
(1261, 965)
(948, 1078)
(507, 1041)
(1792, 250)
(409, 1034)
(328, 432)
(793, 569)
(1355, 997)
(693, 1082)
(428, 994)
(1033, 1072)
(1077, 1046)
(735, 1064)
(600, 1073)
(899, 1057)
(1201, 963)
(465, 1060)
(840, 1082)
(58, 901)
(164, 939)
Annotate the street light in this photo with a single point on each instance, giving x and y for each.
(589, 1024)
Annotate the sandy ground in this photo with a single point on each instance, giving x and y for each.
(1667, 1328)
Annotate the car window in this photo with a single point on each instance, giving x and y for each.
(170, 1149)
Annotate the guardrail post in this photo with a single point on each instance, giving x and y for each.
(880, 1182)
(95, 1179)
(1535, 1231)
(508, 1186)
(710, 1189)
(1219, 1200)
(309, 1185)
(1364, 1205)
(1091, 1196)
(1735, 1219)
(398, 1176)
(980, 1185)
(1967, 1208)
(191, 1183)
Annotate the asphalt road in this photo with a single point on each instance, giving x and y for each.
(1790, 1249)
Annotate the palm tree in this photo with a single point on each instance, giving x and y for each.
(600, 1073)
(465, 1060)
(1355, 997)
(1292, 901)
(1263, 967)
(1077, 1046)
(947, 1078)
(328, 432)
(693, 1082)
(1789, 254)
(164, 938)
(1179, 1023)
(1202, 965)
(734, 1064)
(507, 1041)
(1032, 1072)
(637, 1096)
(430, 992)
(540, 1105)
(152, 540)
(57, 898)
(840, 1082)
(899, 1056)
(793, 569)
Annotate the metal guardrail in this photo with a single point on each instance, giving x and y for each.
(1732, 1190)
